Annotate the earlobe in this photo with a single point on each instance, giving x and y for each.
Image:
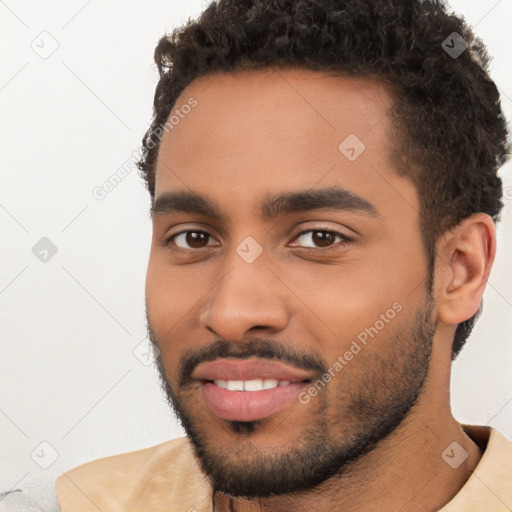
(465, 258)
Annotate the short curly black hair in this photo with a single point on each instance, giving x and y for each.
(450, 135)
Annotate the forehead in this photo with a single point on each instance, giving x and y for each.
(255, 132)
(294, 104)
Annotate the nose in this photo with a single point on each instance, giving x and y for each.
(247, 297)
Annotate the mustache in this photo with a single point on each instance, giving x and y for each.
(300, 358)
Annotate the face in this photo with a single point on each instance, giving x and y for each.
(286, 281)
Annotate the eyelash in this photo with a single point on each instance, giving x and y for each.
(345, 239)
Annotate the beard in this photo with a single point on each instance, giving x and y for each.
(350, 417)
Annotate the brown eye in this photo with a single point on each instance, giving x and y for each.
(319, 238)
(323, 238)
(190, 239)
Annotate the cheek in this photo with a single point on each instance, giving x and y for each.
(163, 317)
(173, 301)
(169, 293)
(156, 296)
(345, 300)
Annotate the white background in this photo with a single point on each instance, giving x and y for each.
(69, 326)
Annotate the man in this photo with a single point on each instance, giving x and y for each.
(324, 188)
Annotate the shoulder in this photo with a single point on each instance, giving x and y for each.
(152, 477)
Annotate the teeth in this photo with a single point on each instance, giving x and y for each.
(221, 383)
(235, 385)
(251, 385)
(270, 383)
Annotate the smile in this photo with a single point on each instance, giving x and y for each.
(250, 385)
(249, 400)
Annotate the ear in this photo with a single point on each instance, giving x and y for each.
(465, 256)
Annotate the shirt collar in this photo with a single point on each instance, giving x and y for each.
(489, 488)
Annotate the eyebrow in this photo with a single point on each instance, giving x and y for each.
(275, 205)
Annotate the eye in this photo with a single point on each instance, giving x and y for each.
(189, 239)
(311, 239)
(319, 238)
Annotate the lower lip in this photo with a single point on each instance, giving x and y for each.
(249, 405)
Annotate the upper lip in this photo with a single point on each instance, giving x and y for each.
(249, 369)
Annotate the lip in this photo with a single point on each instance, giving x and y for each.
(249, 405)
(248, 369)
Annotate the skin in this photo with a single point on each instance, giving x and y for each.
(272, 131)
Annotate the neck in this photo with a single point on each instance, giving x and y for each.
(405, 472)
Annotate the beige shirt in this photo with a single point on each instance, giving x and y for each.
(167, 478)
